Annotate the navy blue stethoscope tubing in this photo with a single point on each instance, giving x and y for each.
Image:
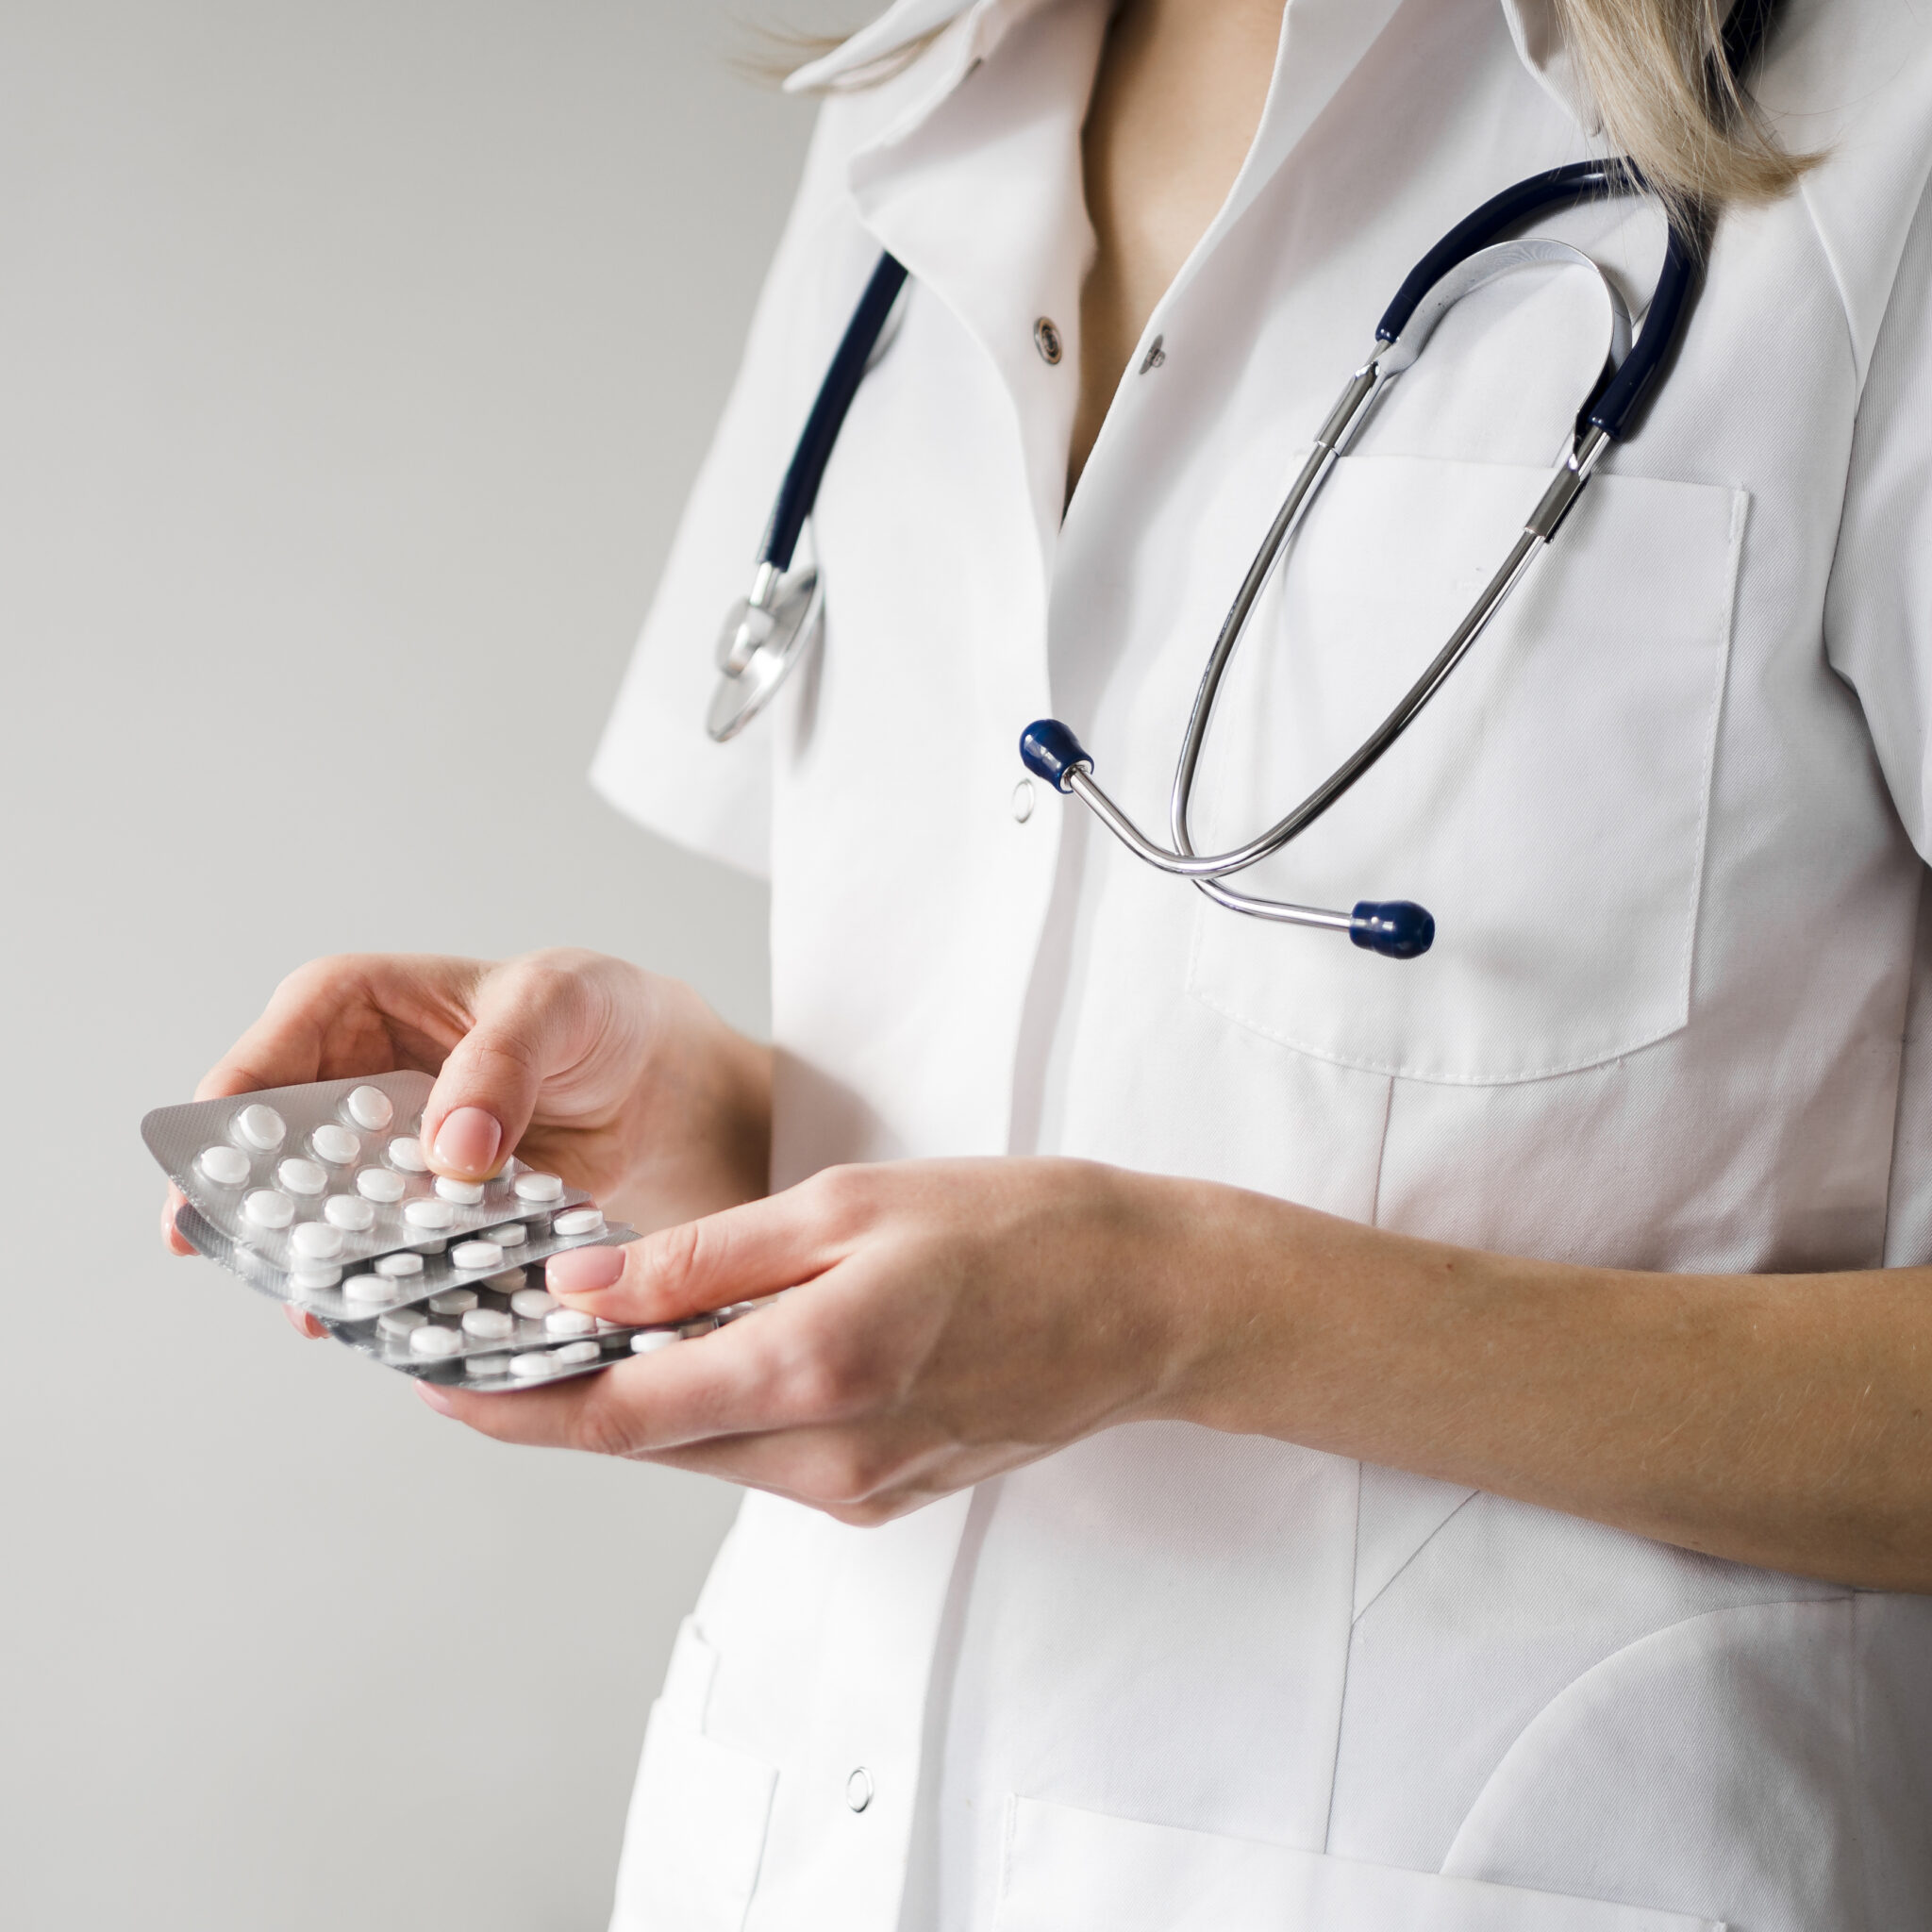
(800, 489)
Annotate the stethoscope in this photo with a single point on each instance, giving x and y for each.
(767, 633)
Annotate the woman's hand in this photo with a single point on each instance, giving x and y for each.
(949, 1320)
(624, 1083)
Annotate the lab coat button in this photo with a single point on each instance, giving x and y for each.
(1046, 338)
(1022, 801)
(858, 1789)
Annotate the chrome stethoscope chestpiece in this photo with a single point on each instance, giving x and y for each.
(764, 636)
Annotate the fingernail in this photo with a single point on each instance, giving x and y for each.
(583, 1270)
(435, 1398)
(467, 1141)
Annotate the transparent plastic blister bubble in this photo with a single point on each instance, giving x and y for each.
(462, 1323)
(333, 1173)
(506, 1367)
(406, 1277)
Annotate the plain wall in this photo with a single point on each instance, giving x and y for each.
(354, 361)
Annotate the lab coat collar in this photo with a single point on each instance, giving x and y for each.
(1533, 26)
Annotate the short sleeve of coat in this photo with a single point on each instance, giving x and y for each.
(655, 761)
(1878, 612)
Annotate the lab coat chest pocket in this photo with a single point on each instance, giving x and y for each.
(1548, 806)
(1070, 1870)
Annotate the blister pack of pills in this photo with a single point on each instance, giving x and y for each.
(332, 1173)
(320, 1195)
(408, 1277)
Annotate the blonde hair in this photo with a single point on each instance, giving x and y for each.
(1655, 69)
(1659, 76)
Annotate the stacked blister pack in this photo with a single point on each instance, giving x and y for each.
(320, 1195)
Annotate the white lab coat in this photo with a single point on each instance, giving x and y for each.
(1673, 817)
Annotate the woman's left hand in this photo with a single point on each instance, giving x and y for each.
(949, 1320)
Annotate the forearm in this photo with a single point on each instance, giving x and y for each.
(1778, 1420)
(700, 1121)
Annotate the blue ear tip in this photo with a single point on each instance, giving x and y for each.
(1050, 751)
(1397, 928)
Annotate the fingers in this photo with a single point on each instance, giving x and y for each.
(534, 1018)
(302, 1323)
(170, 1236)
(738, 1256)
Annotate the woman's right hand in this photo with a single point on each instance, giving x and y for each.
(624, 1083)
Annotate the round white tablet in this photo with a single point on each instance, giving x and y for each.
(261, 1127)
(264, 1207)
(539, 1186)
(435, 1247)
(349, 1212)
(302, 1177)
(396, 1266)
(569, 1322)
(508, 1281)
(407, 1153)
(429, 1214)
(476, 1255)
(489, 1325)
(533, 1304)
(453, 1301)
(316, 1240)
(227, 1167)
(578, 1353)
(652, 1341)
(308, 1281)
(513, 1234)
(399, 1324)
(485, 1365)
(367, 1288)
(531, 1365)
(579, 1221)
(464, 1193)
(605, 1327)
(429, 1340)
(379, 1184)
(334, 1145)
(370, 1107)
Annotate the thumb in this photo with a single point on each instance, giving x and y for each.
(530, 1021)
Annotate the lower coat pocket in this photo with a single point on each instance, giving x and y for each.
(1070, 1870)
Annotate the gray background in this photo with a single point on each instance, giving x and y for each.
(356, 359)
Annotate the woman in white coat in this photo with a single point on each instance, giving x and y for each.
(1264, 1436)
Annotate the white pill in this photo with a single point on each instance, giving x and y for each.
(579, 1221)
(349, 1213)
(367, 1288)
(539, 1186)
(485, 1365)
(513, 1234)
(531, 1365)
(407, 1153)
(652, 1341)
(464, 1193)
(429, 1214)
(605, 1327)
(532, 1304)
(429, 1340)
(316, 1240)
(302, 1177)
(334, 1145)
(379, 1184)
(508, 1281)
(307, 1281)
(476, 1255)
(370, 1107)
(578, 1353)
(399, 1324)
(453, 1301)
(261, 1127)
(569, 1322)
(227, 1167)
(264, 1207)
(489, 1325)
(396, 1266)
